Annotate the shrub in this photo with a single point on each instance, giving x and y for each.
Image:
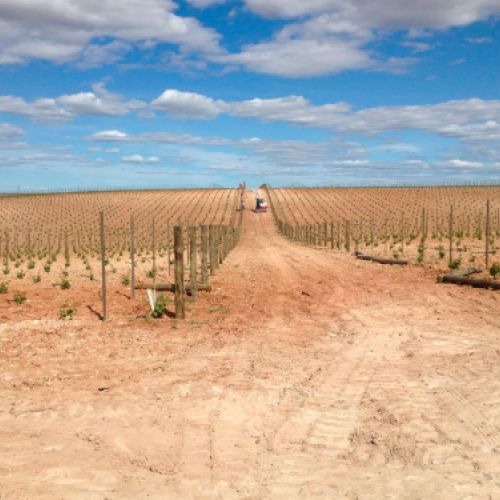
(495, 270)
(19, 298)
(161, 306)
(31, 265)
(20, 275)
(455, 264)
(46, 267)
(6, 270)
(125, 280)
(37, 278)
(66, 312)
(65, 284)
(3, 287)
(441, 252)
(151, 273)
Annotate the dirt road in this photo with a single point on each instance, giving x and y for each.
(304, 374)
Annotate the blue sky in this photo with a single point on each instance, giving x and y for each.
(145, 93)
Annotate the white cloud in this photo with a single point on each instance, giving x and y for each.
(290, 57)
(400, 148)
(8, 131)
(95, 55)
(397, 14)
(59, 30)
(39, 110)
(187, 105)
(482, 40)
(109, 135)
(329, 36)
(202, 4)
(158, 137)
(465, 163)
(140, 159)
(417, 46)
(472, 119)
(293, 109)
(99, 102)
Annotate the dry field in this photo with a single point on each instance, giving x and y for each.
(304, 373)
(391, 221)
(48, 239)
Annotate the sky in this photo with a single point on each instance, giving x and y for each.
(201, 93)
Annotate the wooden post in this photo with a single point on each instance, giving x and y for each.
(402, 234)
(220, 244)
(204, 254)
(103, 267)
(49, 244)
(424, 229)
(132, 259)
(193, 262)
(488, 231)
(153, 237)
(180, 312)
(348, 236)
(332, 242)
(451, 234)
(66, 248)
(212, 249)
(168, 247)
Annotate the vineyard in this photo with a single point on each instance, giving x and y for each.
(436, 226)
(249, 353)
(61, 240)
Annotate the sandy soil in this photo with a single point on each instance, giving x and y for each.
(304, 374)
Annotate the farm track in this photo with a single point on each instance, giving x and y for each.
(314, 376)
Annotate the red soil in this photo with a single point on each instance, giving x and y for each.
(304, 374)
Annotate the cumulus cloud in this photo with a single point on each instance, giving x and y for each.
(293, 109)
(95, 55)
(397, 14)
(158, 137)
(109, 135)
(187, 105)
(8, 131)
(140, 159)
(329, 36)
(59, 30)
(39, 110)
(99, 102)
(471, 119)
(290, 57)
